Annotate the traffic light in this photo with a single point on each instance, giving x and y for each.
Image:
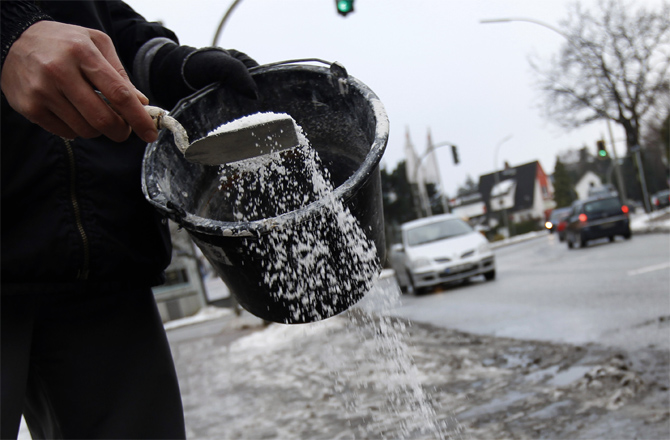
(454, 152)
(602, 152)
(344, 7)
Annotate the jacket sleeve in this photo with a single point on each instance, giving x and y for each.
(16, 17)
(137, 41)
(131, 31)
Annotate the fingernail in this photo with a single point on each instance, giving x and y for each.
(143, 96)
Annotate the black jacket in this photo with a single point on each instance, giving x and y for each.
(73, 212)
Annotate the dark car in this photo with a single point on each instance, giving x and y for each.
(595, 218)
(660, 200)
(557, 216)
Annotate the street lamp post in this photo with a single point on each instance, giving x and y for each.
(432, 148)
(223, 21)
(497, 178)
(578, 49)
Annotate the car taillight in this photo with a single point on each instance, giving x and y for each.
(624, 209)
(583, 217)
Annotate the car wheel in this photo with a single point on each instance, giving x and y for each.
(410, 284)
(611, 237)
(570, 243)
(403, 287)
(627, 235)
(490, 275)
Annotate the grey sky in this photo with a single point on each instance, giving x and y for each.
(431, 62)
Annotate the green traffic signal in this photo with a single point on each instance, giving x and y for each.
(344, 6)
(602, 152)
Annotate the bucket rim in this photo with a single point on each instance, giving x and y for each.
(343, 192)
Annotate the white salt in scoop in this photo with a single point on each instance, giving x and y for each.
(251, 136)
(244, 138)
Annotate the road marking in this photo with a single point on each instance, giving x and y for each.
(648, 269)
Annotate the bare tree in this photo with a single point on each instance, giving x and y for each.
(615, 65)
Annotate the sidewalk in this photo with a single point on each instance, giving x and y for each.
(657, 221)
(361, 375)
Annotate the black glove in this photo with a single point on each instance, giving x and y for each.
(178, 71)
(246, 59)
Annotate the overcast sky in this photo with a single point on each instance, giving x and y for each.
(431, 62)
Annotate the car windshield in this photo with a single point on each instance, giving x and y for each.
(604, 205)
(437, 231)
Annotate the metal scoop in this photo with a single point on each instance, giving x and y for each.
(241, 139)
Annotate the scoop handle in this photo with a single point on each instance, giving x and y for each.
(163, 120)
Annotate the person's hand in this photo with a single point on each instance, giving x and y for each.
(246, 59)
(206, 66)
(51, 74)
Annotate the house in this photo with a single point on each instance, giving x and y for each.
(589, 180)
(522, 193)
(469, 207)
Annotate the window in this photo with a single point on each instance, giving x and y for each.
(605, 205)
(437, 231)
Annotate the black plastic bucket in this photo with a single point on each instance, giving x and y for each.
(345, 123)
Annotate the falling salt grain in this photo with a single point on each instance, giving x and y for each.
(296, 265)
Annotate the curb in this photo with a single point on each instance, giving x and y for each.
(652, 229)
(518, 239)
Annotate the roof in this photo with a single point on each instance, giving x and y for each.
(525, 179)
(503, 187)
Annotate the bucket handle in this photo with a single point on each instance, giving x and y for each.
(336, 67)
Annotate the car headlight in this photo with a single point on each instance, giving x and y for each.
(421, 262)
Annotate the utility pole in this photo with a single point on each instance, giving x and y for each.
(617, 169)
(443, 191)
(224, 20)
(643, 181)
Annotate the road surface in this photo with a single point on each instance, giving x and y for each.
(616, 294)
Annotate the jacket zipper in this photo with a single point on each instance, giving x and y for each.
(82, 273)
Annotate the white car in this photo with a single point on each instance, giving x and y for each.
(441, 249)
